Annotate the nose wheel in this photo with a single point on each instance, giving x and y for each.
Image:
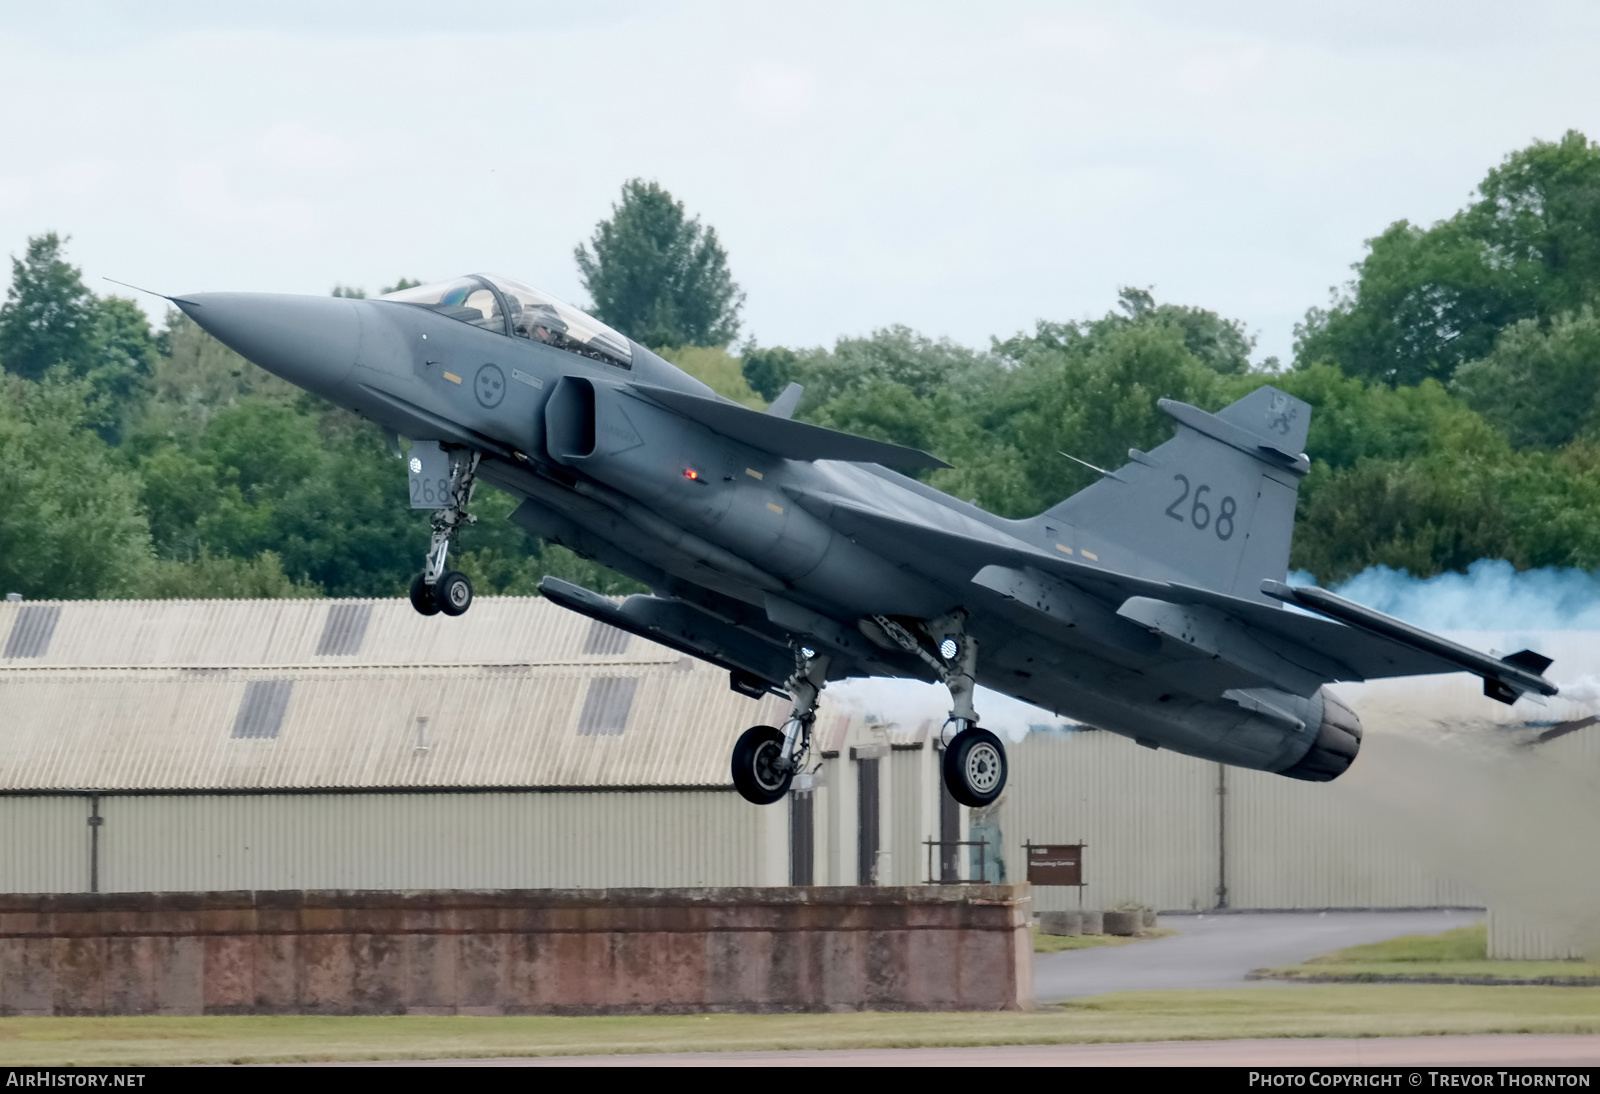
(437, 589)
(422, 597)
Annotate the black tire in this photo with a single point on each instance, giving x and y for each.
(975, 767)
(755, 759)
(422, 597)
(454, 593)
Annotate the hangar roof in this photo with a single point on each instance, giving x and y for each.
(272, 695)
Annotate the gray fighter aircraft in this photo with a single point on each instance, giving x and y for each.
(1151, 604)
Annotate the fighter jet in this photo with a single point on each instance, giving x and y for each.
(1153, 604)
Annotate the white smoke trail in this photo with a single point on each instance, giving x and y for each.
(1491, 596)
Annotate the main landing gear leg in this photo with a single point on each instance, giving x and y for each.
(766, 760)
(436, 589)
(974, 766)
(974, 759)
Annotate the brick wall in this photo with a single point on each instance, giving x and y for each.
(544, 951)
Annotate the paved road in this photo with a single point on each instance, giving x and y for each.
(1522, 1050)
(1217, 951)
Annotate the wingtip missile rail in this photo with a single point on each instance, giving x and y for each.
(1504, 678)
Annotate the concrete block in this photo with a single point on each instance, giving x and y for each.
(1061, 923)
(1124, 924)
(1093, 922)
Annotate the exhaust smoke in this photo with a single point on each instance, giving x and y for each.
(1503, 799)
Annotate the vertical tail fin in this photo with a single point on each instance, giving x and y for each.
(1213, 506)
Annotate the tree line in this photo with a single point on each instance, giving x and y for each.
(1455, 381)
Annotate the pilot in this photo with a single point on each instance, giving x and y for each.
(538, 322)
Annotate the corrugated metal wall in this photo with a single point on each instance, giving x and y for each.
(44, 845)
(1293, 844)
(1153, 821)
(1546, 901)
(909, 785)
(1515, 938)
(1149, 819)
(515, 725)
(581, 839)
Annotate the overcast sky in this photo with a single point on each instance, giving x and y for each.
(965, 169)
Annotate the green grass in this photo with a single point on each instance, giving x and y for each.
(1321, 1011)
(1461, 944)
(1057, 943)
(1458, 955)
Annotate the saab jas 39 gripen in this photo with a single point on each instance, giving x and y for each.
(1151, 604)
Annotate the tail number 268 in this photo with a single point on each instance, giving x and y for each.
(1199, 513)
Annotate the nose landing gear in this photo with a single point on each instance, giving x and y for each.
(765, 759)
(437, 589)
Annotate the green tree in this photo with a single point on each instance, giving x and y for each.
(658, 275)
(1093, 394)
(1408, 478)
(768, 370)
(50, 320)
(121, 362)
(1222, 345)
(1426, 300)
(49, 316)
(209, 577)
(71, 526)
(1541, 381)
(717, 369)
(313, 486)
(194, 377)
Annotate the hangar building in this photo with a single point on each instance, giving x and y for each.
(205, 745)
(352, 744)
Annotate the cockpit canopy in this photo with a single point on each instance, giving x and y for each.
(510, 307)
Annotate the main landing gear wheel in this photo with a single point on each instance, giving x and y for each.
(422, 597)
(454, 593)
(759, 773)
(975, 767)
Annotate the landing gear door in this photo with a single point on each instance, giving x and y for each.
(429, 469)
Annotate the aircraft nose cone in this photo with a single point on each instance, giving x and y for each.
(311, 341)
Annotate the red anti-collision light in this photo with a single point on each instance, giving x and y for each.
(691, 474)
